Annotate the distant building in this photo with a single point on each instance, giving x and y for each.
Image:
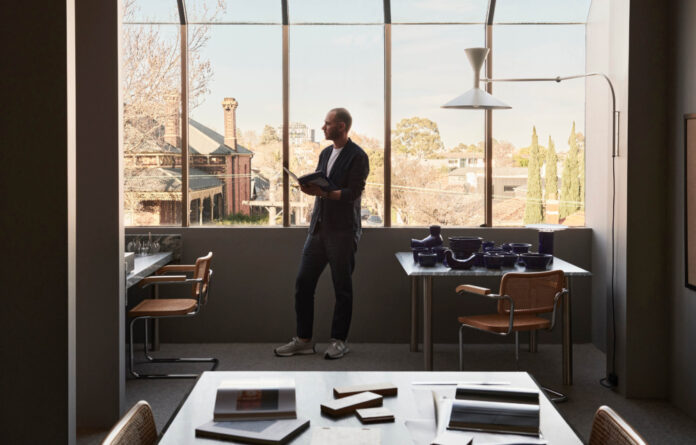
(219, 173)
(465, 159)
(298, 133)
(505, 179)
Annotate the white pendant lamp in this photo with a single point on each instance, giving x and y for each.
(476, 98)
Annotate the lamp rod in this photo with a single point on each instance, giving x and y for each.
(615, 114)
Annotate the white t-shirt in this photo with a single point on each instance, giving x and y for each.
(332, 159)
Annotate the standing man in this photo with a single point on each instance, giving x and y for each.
(333, 237)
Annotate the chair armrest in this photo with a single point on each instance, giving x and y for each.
(162, 279)
(472, 289)
(556, 299)
(175, 268)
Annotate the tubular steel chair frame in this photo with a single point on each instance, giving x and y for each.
(200, 288)
(139, 422)
(502, 298)
(610, 428)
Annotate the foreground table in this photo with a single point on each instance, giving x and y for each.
(313, 388)
(416, 272)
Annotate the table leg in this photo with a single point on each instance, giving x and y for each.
(414, 314)
(155, 323)
(567, 338)
(428, 322)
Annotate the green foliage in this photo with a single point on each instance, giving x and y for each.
(416, 136)
(551, 186)
(533, 208)
(242, 219)
(269, 135)
(570, 179)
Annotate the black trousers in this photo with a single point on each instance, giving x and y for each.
(338, 250)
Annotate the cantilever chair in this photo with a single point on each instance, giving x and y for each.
(522, 297)
(173, 307)
(137, 427)
(608, 428)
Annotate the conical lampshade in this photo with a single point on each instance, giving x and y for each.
(476, 98)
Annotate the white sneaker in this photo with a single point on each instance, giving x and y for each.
(336, 349)
(296, 346)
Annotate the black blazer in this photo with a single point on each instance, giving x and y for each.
(348, 174)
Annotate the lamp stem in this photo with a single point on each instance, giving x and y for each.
(614, 114)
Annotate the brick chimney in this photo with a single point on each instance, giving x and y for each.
(171, 121)
(230, 107)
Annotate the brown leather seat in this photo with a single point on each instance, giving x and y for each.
(163, 307)
(500, 322)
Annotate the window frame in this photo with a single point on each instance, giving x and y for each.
(489, 23)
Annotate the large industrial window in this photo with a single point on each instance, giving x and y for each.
(259, 77)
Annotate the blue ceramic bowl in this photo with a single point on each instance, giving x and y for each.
(487, 245)
(427, 259)
(469, 244)
(492, 260)
(520, 247)
(535, 261)
(417, 250)
(508, 259)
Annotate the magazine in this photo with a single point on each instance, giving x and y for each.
(253, 399)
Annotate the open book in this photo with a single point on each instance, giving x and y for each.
(316, 178)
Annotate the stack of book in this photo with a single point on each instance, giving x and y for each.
(495, 409)
(259, 411)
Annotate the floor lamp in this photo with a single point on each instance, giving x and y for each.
(478, 99)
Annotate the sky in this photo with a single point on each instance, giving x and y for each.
(343, 65)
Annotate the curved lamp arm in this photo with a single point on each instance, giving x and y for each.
(558, 79)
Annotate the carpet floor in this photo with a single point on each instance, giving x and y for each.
(657, 421)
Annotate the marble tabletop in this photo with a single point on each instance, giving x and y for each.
(145, 265)
(413, 269)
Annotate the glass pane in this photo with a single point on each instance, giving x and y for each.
(150, 11)
(543, 114)
(357, 86)
(152, 138)
(235, 167)
(437, 154)
(336, 11)
(447, 11)
(234, 11)
(516, 11)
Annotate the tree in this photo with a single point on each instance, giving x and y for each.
(570, 180)
(533, 209)
(417, 136)
(269, 135)
(152, 73)
(551, 186)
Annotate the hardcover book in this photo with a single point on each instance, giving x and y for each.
(383, 389)
(374, 415)
(253, 399)
(269, 432)
(348, 405)
(494, 417)
(316, 178)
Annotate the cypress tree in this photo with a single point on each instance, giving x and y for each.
(551, 187)
(570, 186)
(533, 210)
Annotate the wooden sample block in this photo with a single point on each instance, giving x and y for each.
(383, 389)
(374, 415)
(348, 405)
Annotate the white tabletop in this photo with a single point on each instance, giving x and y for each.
(145, 265)
(414, 269)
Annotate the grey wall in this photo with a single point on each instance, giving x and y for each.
(251, 298)
(637, 67)
(683, 300)
(100, 325)
(37, 146)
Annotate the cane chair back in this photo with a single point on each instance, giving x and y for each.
(201, 270)
(137, 427)
(531, 292)
(608, 428)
